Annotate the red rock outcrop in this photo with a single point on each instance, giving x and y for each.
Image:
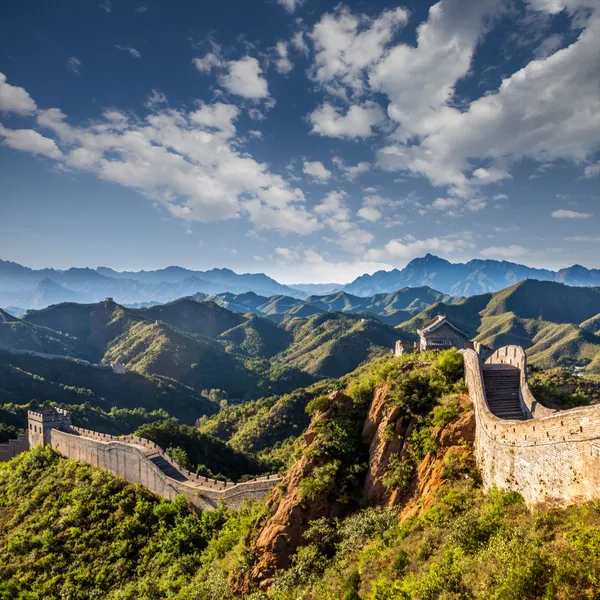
(429, 475)
(282, 533)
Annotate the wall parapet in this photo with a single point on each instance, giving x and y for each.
(553, 454)
(131, 457)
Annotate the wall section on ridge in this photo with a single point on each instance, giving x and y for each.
(554, 456)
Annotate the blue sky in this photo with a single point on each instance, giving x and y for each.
(310, 140)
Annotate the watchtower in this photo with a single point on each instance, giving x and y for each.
(41, 422)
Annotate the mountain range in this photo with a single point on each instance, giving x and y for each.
(466, 279)
(25, 288)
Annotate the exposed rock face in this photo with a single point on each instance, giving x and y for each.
(282, 534)
(429, 474)
(386, 431)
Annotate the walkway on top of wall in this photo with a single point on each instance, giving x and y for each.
(173, 470)
(523, 446)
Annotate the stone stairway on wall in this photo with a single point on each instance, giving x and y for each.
(502, 383)
(166, 467)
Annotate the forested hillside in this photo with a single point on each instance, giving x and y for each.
(381, 501)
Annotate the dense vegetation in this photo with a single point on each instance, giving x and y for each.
(68, 530)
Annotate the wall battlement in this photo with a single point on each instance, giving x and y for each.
(137, 460)
(549, 455)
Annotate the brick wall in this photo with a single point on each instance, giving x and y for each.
(555, 454)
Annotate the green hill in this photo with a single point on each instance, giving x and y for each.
(257, 337)
(332, 344)
(555, 323)
(205, 318)
(68, 530)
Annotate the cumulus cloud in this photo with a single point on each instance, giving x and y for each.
(446, 203)
(504, 252)
(409, 247)
(357, 122)
(346, 44)
(570, 214)
(369, 213)
(317, 170)
(290, 5)
(186, 161)
(244, 78)
(351, 171)
(31, 141)
(299, 43)
(207, 62)
(15, 99)
(283, 64)
(514, 122)
(131, 51)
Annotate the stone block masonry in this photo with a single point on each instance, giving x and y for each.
(137, 460)
(548, 455)
(11, 448)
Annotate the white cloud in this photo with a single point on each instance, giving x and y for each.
(218, 115)
(337, 217)
(345, 44)
(73, 64)
(549, 46)
(186, 161)
(310, 265)
(105, 5)
(208, 62)
(369, 213)
(446, 203)
(591, 170)
(317, 170)
(516, 121)
(371, 208)
(504, 252)
(290, 5)
(358, 122)
(410, 247)
(244, 78)
(131, 51)
(283, 64)
(351, 172)
(31, 141)
(500, 197)
(570, 214)
(299, 44)
(15, 99)
(491, 175)
(155, 99)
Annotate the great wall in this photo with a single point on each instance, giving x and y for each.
(523, 446)
(520, 445)
(138, 460)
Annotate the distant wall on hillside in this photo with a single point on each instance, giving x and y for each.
(553, 454)
(11, 448)
(130, 457)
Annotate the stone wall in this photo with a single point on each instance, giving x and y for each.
(129, 457)
(554, 454)
(11, 448)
